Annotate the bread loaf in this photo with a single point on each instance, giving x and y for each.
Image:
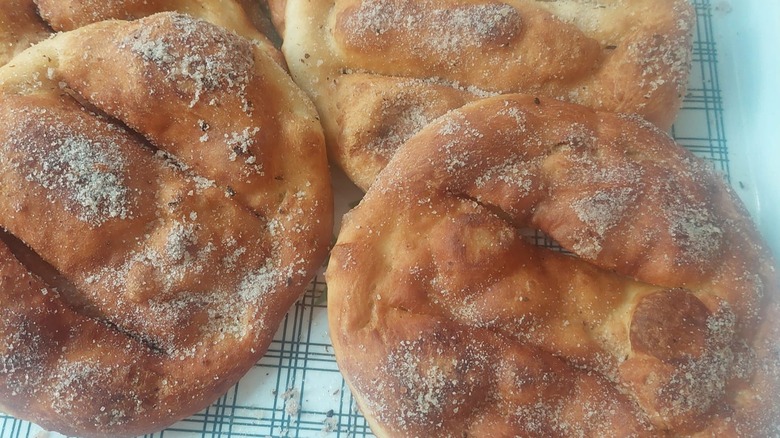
(380, 70)
(660, 319)
(164, 199)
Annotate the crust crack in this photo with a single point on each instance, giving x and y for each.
(65, 290)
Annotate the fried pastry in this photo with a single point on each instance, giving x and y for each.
(380, 70)
(164, 199)
(660, 319)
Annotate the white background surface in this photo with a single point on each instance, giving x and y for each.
(748, 37)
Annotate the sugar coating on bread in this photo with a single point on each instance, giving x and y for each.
(165, 199)
(238, 15)
(25, 22)
(659, 319)
(352, 57)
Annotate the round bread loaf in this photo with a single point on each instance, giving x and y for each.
(25, 22)
(661, 319)
(380, 70)
(164, 199)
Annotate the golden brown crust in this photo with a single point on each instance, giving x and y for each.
(599, 55)
(171, 184)
(397, 110)
(446, 321)
(239, 16)
(25, 22)
(20, 27)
